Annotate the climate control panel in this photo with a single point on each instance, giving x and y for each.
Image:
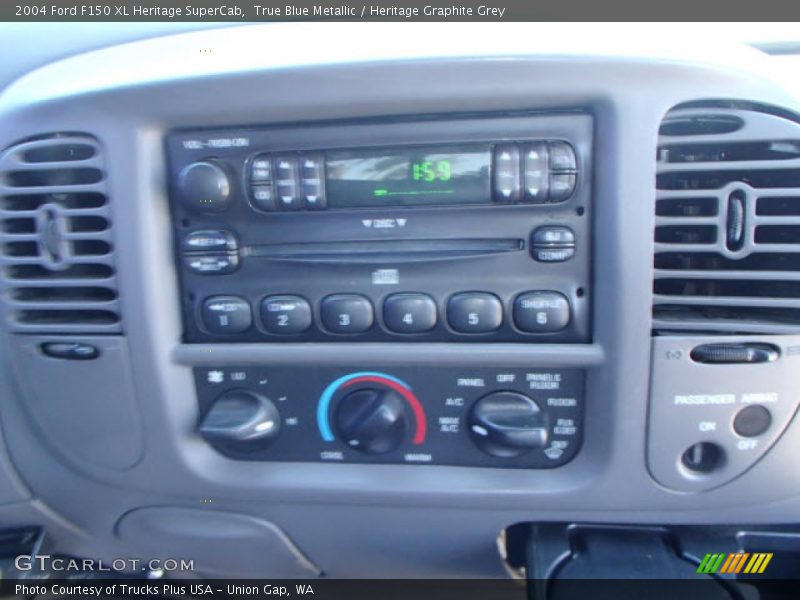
(525, 418)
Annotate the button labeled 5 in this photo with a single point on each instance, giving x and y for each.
(475, 312)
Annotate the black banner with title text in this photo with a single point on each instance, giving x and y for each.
(393, 10)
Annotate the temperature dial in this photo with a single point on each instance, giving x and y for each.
(507, 424)
(371, 420)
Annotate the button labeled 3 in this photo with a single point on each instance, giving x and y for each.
(347, 313)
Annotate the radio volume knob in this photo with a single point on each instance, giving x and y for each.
(205, 187)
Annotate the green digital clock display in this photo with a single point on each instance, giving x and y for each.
(415, 176)
(431, 171)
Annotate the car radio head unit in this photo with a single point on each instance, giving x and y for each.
(469, 229)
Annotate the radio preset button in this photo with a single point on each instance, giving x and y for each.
(409, 313)
(535, 173)
(347, 313)
(506, 173)
(475, 312)
(285, 314)
(541, 312)
(226, 314)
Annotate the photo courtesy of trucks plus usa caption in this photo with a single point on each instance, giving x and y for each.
(162, 589)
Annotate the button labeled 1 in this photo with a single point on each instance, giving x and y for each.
(475, 312)
(226, 314)
(347, 313)
(541, 312)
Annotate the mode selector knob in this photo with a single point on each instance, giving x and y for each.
(205, 187)
(371, 420)
(507, 424)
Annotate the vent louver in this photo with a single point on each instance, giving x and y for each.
(56, 256)
(727, 238)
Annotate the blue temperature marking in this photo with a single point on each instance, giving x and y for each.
(325, 400)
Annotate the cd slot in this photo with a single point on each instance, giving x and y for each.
(378, 251)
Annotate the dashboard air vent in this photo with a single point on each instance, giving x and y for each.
(56, 255)
(727, 237)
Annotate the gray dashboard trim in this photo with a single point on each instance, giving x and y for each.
(511, 355)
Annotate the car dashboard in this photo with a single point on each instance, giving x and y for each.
(300, 309)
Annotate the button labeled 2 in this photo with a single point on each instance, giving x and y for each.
(285, 314)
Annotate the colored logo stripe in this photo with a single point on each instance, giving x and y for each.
(735, 563)
(397, 385)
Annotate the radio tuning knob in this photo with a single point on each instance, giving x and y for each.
(205, 187)
(371, 420)
(507, 424)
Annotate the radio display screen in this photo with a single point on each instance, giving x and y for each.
(413, 176)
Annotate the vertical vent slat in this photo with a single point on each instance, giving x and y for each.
(727, 236)
(56, 249)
